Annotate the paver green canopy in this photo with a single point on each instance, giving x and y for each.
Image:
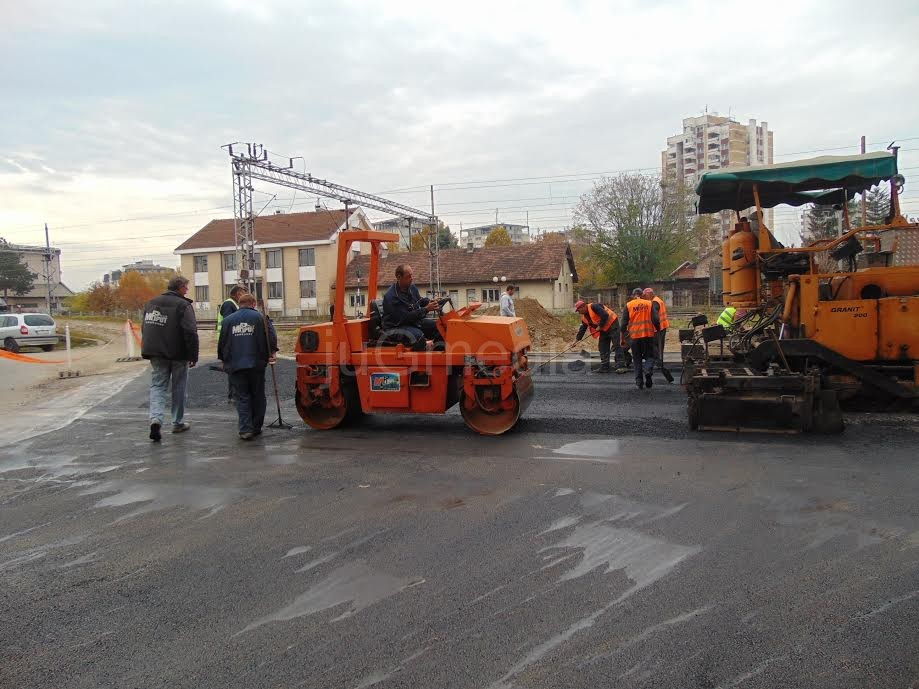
(794, 183)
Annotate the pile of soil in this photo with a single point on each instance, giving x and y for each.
(548, 332)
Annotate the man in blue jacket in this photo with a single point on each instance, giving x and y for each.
(405, 309)
(245, 350)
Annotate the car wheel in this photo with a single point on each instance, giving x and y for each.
(10, 345)
(48, 348)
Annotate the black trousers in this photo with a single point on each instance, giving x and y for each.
(660, 339)
(644, 353)
(609, 342)
(249, 388)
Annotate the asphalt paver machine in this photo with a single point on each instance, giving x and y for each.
(819, 328)
(348, 367)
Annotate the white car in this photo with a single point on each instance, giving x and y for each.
(27, 330)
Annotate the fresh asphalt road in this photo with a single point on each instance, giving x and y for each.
(600, 544)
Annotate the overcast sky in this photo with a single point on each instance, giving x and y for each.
(115, 110)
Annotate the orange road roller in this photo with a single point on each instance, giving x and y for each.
(353, 366)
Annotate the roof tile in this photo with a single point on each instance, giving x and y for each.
(270, 229)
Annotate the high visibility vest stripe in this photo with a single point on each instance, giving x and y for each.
(665, 322)
(592, 323)
(220, 314)
(640, 324)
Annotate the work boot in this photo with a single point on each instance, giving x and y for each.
(155, 434)
(639, 383)
(246, 436)
(603, 369)
(622, 369)
(667, 375)
(180, 427)
(648, 381)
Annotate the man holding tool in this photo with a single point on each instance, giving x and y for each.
(603, 324)
(245, 350)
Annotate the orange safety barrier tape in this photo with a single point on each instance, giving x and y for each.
(25, 359)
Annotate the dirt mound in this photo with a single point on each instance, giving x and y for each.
(548, 332)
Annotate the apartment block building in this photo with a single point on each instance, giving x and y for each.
(474, 237)
(712, 142)
(295, 262)
(41, 261)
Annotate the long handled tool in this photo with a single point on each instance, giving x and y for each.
(279, 422)
(564, 351)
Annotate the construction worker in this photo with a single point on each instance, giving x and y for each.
(245, 348)
(661, 337)
(727, 317)
(603, 324)
(404, 309)
(229, 306)
(640, 321)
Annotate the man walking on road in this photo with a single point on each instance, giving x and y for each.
(661, 336)
(228, 307)
(245, 350)
(170, 342)
(641, 322)
(603, 324)
(507, 302)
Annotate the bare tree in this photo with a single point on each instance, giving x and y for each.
(640, 228)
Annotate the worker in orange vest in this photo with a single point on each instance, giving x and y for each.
(658, 303)
(603, 324)
(640, 320)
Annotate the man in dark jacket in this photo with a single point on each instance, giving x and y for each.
(245, 350)
(170, 342)
(404, 309)
(230, 305)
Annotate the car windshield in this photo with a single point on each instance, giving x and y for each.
(39, 319)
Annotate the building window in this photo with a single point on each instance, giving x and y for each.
(358, 300)
(201, 293)
(226, 290)
(275, 290)
(273, 258)
(257, 262)
(490, 295)
(229, 261)
(201, 264)
(470, 296)
(307, 289)
(308, 257)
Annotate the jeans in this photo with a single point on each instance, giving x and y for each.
(164, 372)
(249, 387)
(644, 352)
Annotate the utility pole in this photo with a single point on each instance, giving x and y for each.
(864, 203)
(48, 269)
(433, 247)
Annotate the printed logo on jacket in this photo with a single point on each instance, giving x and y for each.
(155, 317)
(242, 329)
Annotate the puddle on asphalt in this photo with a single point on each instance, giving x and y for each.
(160, 496)
(563, 491)
(354, 584)
(315, 563)
(600, 542)
(55, 466)
(299, 550)
(601, 448)
(281, 460)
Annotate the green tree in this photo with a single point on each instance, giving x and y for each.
(421, 239)
(638, 227)
(498, 237)
(877, 201)
(820, 222)
(15, 275)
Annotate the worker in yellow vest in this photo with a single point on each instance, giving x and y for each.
(640, 320)
(661, 337)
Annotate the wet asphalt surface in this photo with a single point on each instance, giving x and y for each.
(599, 544)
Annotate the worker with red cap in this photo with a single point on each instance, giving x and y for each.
(603, 324)
(658, 304)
